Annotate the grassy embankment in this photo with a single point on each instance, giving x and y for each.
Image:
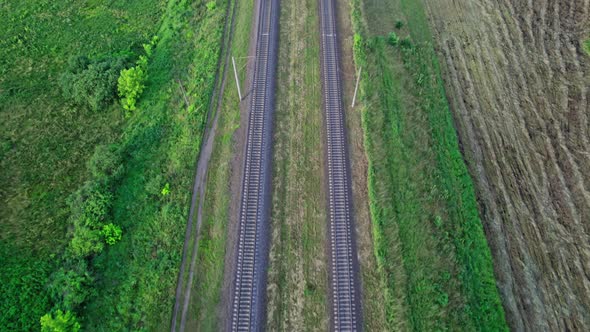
(47, 141)
(297, 279)
(429, 240)
(209, 275)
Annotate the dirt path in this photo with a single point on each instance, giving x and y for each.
(198, 193)
(518, 82)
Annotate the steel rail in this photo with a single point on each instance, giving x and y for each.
(249, 287)
(344, 287)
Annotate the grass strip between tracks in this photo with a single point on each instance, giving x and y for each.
(298, 277)
(429, 241)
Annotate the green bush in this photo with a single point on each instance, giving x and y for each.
(131, 84)
(111, 233)
(405, 43)
(586, 46)
(91, 83)
(86, 241)
(62, 322)
(393, 39)
(166, 190)
(69, 286)
(106, 162)
(90, 205)
(211, 5)
(399, 24)
(357, 43)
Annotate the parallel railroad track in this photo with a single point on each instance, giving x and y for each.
(249, 287)
(346, 314)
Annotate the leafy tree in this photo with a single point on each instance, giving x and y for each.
(62, 322)
(111, 233)
(91, 83)
(131, 83)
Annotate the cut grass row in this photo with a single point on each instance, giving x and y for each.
(429, 240)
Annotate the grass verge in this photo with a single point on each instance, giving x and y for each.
(206, 301)
(429, 241)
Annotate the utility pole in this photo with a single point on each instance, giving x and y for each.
(356, 86)
(233, 60)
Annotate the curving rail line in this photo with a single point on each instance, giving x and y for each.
(249, 287)
(346, 314)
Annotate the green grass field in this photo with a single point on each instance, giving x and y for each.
(47, 143)
(429, 241)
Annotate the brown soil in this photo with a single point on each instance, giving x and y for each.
(518, 84)
(372, 300)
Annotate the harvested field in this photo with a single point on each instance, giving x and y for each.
(517, 79)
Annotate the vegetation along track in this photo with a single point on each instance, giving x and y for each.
(343, 262)
(518, 79)
(250, 280)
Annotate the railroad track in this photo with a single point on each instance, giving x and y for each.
(249, 287)
(344, 287)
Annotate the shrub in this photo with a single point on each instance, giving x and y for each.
(357, 42)
(399, 24)
(69, 284)
(166, 190)
(91, 83)
(131, 84)
(586, 46)
(406, 43)
(85, 242)
(111, 233)
(90, 205)
(62, 322)
(393, 39)
(211, 5)
(106, 162)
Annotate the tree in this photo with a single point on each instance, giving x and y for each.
(62, 322)
(91, 83)
(131, 83)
